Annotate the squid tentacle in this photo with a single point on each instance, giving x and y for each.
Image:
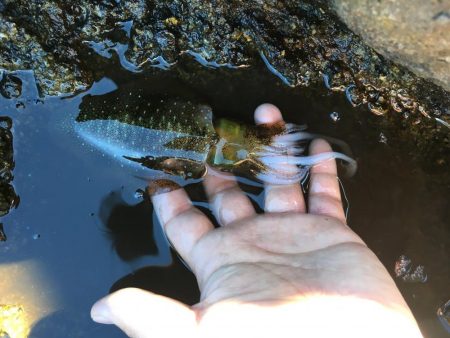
(295, 133)
(292, 127)
(293, 137)
(278, 166)
(310, 160)
(276, 178)
(294, 150)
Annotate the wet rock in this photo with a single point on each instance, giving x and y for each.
(2, 233)
(8, 197)
(20, 50)
(10, 86)
(301, 42)
(6, 154)
(443, 314)
(402, 266)
(417, 276)
(413, 33)
(403, 269)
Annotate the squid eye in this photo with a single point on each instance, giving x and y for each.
(226, 154)
(233, 153)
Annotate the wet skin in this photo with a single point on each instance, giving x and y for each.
(298, 270)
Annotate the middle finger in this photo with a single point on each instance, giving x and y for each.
(279, 197)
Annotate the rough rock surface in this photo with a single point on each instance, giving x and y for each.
(20, 50)
(8, 196)
(302, 42)
(413, 33)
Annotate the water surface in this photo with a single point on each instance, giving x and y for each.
(81, 229)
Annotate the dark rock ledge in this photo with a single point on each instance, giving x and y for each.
(304, 41)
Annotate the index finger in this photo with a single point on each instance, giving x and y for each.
(324, 197)
(183, 223)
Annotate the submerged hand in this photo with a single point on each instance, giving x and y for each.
(298, 270)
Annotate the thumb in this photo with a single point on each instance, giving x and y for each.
(143, 314)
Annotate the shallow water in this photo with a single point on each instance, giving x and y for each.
(81, 229)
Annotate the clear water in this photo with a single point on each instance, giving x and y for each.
(83, 228)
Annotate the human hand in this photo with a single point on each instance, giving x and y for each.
(297, 270)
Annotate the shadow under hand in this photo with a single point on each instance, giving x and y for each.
(129, 226)
(131, 230)
(174, 281)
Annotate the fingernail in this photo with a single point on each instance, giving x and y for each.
(100, 313)
(161, 186)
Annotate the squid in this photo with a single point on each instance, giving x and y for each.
(183, 140)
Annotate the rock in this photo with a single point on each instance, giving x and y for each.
(10, 86)
(412, 33)
(2, 233)
(20, 50)
(8, 197)
(302, 42)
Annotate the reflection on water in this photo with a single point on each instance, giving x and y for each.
(12, 322)
(26, 297)
(81, 229)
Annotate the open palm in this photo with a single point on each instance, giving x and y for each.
(298, 267)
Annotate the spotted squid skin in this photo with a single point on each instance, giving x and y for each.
(265, 149)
